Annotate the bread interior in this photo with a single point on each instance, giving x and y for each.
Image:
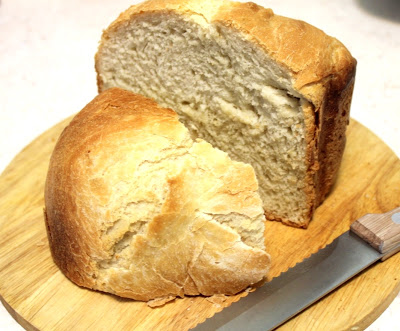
(225, 90)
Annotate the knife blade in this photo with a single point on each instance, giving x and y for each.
(371, 238)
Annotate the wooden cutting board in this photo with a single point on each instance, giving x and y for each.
(38, 295)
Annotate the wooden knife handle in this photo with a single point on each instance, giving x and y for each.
(381, 231)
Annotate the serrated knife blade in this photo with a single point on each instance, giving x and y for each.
(294, 290)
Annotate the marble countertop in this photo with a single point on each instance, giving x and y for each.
(47, 70)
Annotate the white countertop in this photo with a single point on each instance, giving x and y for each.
(47, 74)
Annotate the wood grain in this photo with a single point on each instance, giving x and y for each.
(380, 231)
(40, 297)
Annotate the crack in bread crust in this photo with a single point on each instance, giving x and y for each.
(132, 219)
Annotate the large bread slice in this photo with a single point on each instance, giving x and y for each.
(135, 207)
(270, 91)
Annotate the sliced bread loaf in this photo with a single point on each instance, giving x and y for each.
(268, 90)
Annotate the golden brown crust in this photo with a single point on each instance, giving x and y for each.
(125, 159)
(321, 68)
(68, 239)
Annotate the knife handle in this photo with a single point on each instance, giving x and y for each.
(381, 231)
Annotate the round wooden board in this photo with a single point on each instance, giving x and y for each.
(39, 296)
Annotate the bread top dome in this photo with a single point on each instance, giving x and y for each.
(136, 208)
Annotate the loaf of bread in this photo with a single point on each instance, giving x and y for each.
(135, 207)
(270, 91)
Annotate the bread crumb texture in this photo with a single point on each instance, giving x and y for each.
(136, 208)
(249, 82)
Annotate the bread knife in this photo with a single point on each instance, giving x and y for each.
(371, 238)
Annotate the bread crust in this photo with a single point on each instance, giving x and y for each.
(323, 72)
(321, 68)
(172, 243)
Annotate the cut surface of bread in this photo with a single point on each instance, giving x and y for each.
(268, 90)
(136, 208)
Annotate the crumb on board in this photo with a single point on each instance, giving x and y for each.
(158, 302)
(217, 299)
(41, 243)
